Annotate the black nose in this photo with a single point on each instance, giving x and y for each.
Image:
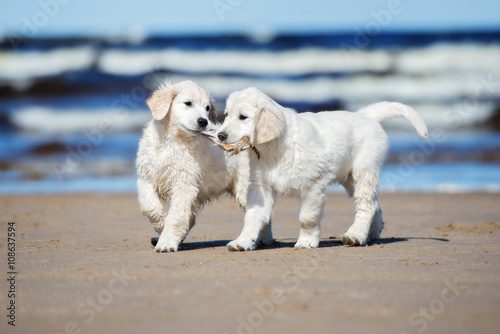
(202, 122)
(222, 136)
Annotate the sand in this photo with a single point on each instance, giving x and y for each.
(84, 263)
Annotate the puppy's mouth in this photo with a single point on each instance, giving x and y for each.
(209, 133)
(227, 139)
(231, 148)
(199, 130)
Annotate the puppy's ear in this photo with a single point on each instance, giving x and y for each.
(212, 115)
(269, 122)
(161, 101)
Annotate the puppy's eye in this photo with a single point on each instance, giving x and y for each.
(188, 103)
(208, 108)
(243, 117)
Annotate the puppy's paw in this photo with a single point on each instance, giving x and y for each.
(241, 244)
(164, 245)
(307, 242)
(355, 238)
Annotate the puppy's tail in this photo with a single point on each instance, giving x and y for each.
(384, 110)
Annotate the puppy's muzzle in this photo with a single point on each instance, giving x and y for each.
(222, 136)
(202, 122)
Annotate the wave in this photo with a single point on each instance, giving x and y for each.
(481, 59)
(440, 58)
(259, 63)
(55, 95)
(438, 80)
(441, 73)
(45, 120)
(442, 95)
(53, 121)
(22, 68)
(434, 60)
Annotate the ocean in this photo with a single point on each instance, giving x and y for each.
(72, 110)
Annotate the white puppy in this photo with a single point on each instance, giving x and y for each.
(300, 154)
(180, 169)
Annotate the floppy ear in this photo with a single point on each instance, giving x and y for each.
(270, 121)
(161, 101)
(212, 115)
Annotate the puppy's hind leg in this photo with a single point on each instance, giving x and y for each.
(361, 231)
(377, 224)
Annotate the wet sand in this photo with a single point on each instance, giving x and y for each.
(85, 264)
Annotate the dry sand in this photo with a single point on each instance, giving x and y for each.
(85, 264)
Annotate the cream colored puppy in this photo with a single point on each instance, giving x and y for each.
(179, 169)
(300, 154)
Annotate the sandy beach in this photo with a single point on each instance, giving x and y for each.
(84, 263)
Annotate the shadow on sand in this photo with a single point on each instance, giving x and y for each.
(290, 242)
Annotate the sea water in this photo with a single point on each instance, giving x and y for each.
(72, 110)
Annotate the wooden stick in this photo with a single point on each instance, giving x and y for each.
(242, 145)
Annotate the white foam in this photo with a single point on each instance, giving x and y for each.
(440, 73)
(295, 62)
(357, 90)
(23, 67)
(450, 58)
(449, 103)
(47, 120)
(429, 61)
(441, 76)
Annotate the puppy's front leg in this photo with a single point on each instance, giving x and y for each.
(312, 204)
(260, 202)
(179, 220)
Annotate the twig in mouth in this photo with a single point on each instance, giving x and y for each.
(242, 145)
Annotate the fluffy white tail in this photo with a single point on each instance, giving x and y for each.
(384, 110)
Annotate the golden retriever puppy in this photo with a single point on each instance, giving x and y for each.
(300, 154)
(179, 169)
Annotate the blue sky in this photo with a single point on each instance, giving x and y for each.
(114, 17)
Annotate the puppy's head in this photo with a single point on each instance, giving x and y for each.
(184, 105)
(250, 113)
